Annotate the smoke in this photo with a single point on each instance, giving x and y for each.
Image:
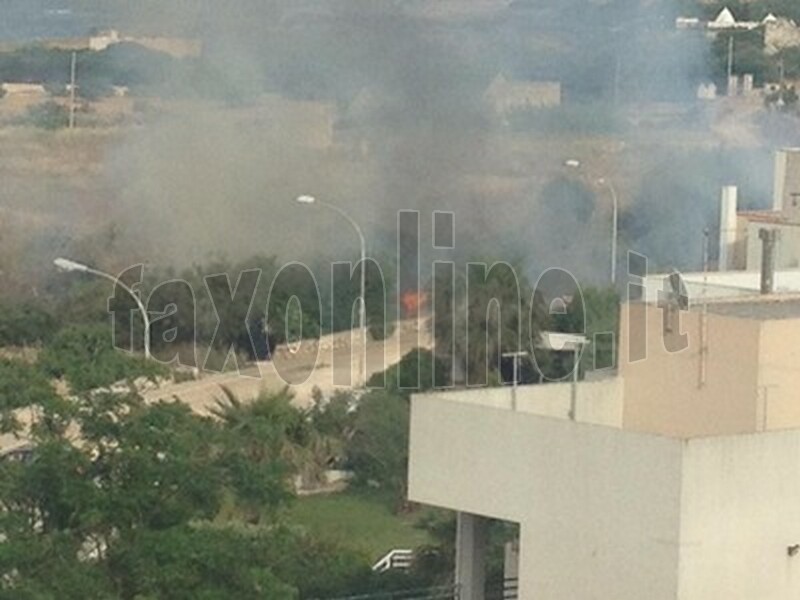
(378, 107)
(371, 109)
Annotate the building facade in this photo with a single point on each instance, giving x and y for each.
(678, 477)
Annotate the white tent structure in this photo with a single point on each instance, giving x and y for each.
(726, 20)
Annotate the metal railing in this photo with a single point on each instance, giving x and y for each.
(509, 591)
(399, 558)
(444, 592)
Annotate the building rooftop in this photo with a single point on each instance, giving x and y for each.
(762, 308)
(766, 216)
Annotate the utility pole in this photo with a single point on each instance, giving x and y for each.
(72, 90)
(730, 61)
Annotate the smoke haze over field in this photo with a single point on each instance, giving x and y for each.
(380, 107)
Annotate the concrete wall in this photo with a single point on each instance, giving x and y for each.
(597, 402)
(741, 511)
(663, 392)
(598, 507)
(779, 375)
(726, 284)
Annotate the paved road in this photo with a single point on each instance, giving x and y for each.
(302, 371)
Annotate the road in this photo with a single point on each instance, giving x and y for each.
(301, 371)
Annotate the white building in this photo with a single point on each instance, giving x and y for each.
(104, 39)
(726, 21)
(679, 478)
(783, 217)
(23, 90)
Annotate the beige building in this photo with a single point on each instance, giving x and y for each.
(780, 34)
(742, 232)
(677, 479)
(34, 91)
(175, 47)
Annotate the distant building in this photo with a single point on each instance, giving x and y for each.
(688, 23)
(780, 34)
(27, 90)
(733, 86)
(707, 91)
(104, 39)
(725, 20)
(783, 217)
(176, 47)
(748, 85)
(506, 96)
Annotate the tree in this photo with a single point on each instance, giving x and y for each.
(85, 356)
(594, 310)
(131, 508)
(378, 451)
(418, 371)
(471, 333)
(24, 324)
(197, 562)
(22, 385)
(265, 441)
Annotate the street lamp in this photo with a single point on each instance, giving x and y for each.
(70, 266)
(362, 315)
(576, 164)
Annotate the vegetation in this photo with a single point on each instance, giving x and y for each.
(131, 508)
(361, 521)
(48, 115)
(143, 71)
(418, 371)
(594, 311)
(24, 324)
(86, 357)
(499, 315)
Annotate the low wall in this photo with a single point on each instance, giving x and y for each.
(596, 402)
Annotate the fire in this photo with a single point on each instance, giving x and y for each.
(413, 301)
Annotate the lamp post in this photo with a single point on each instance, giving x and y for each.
(614, 226)
(362, 315)
(576, 164)
(71, 266)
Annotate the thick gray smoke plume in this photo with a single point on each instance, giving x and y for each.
(380, 106)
